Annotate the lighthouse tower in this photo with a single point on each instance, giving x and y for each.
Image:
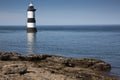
(31, 22)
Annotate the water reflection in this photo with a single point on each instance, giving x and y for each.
(31, 40)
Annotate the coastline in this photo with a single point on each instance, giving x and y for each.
(14, 66)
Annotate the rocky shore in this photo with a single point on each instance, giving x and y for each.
(14, 66)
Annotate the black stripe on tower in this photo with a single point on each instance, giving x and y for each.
(31, 8)
(31, 30)
(31, 20)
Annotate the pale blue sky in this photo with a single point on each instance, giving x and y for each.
(61, 12)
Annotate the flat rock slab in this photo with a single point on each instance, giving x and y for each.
(14, 66)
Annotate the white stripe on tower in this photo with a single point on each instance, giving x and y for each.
(31, 22)
(31, 25)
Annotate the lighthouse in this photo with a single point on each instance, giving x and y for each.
(31, 22)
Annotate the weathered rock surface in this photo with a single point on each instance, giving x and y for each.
(14, 69)
(14, 66)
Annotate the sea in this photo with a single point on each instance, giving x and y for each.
(90, 41)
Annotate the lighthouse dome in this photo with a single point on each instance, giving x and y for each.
(30, 4)
(31, 7)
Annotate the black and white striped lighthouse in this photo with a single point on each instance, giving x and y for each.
(31, 22)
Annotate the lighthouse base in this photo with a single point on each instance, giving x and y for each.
(31, 30)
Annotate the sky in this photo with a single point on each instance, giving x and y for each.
(61, 12)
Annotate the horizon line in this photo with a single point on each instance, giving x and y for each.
(70, 25)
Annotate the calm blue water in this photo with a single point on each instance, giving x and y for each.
(101, 42)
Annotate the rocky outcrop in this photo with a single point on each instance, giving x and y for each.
(51, 67)
(7, 56)
(94, 64)
(13, 56)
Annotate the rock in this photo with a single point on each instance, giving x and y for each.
(101, 66)
(94, 64)
(33, 57)
(13, 77)
(9, 56)
(14, 69)
(3, 77)
(14, 66)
